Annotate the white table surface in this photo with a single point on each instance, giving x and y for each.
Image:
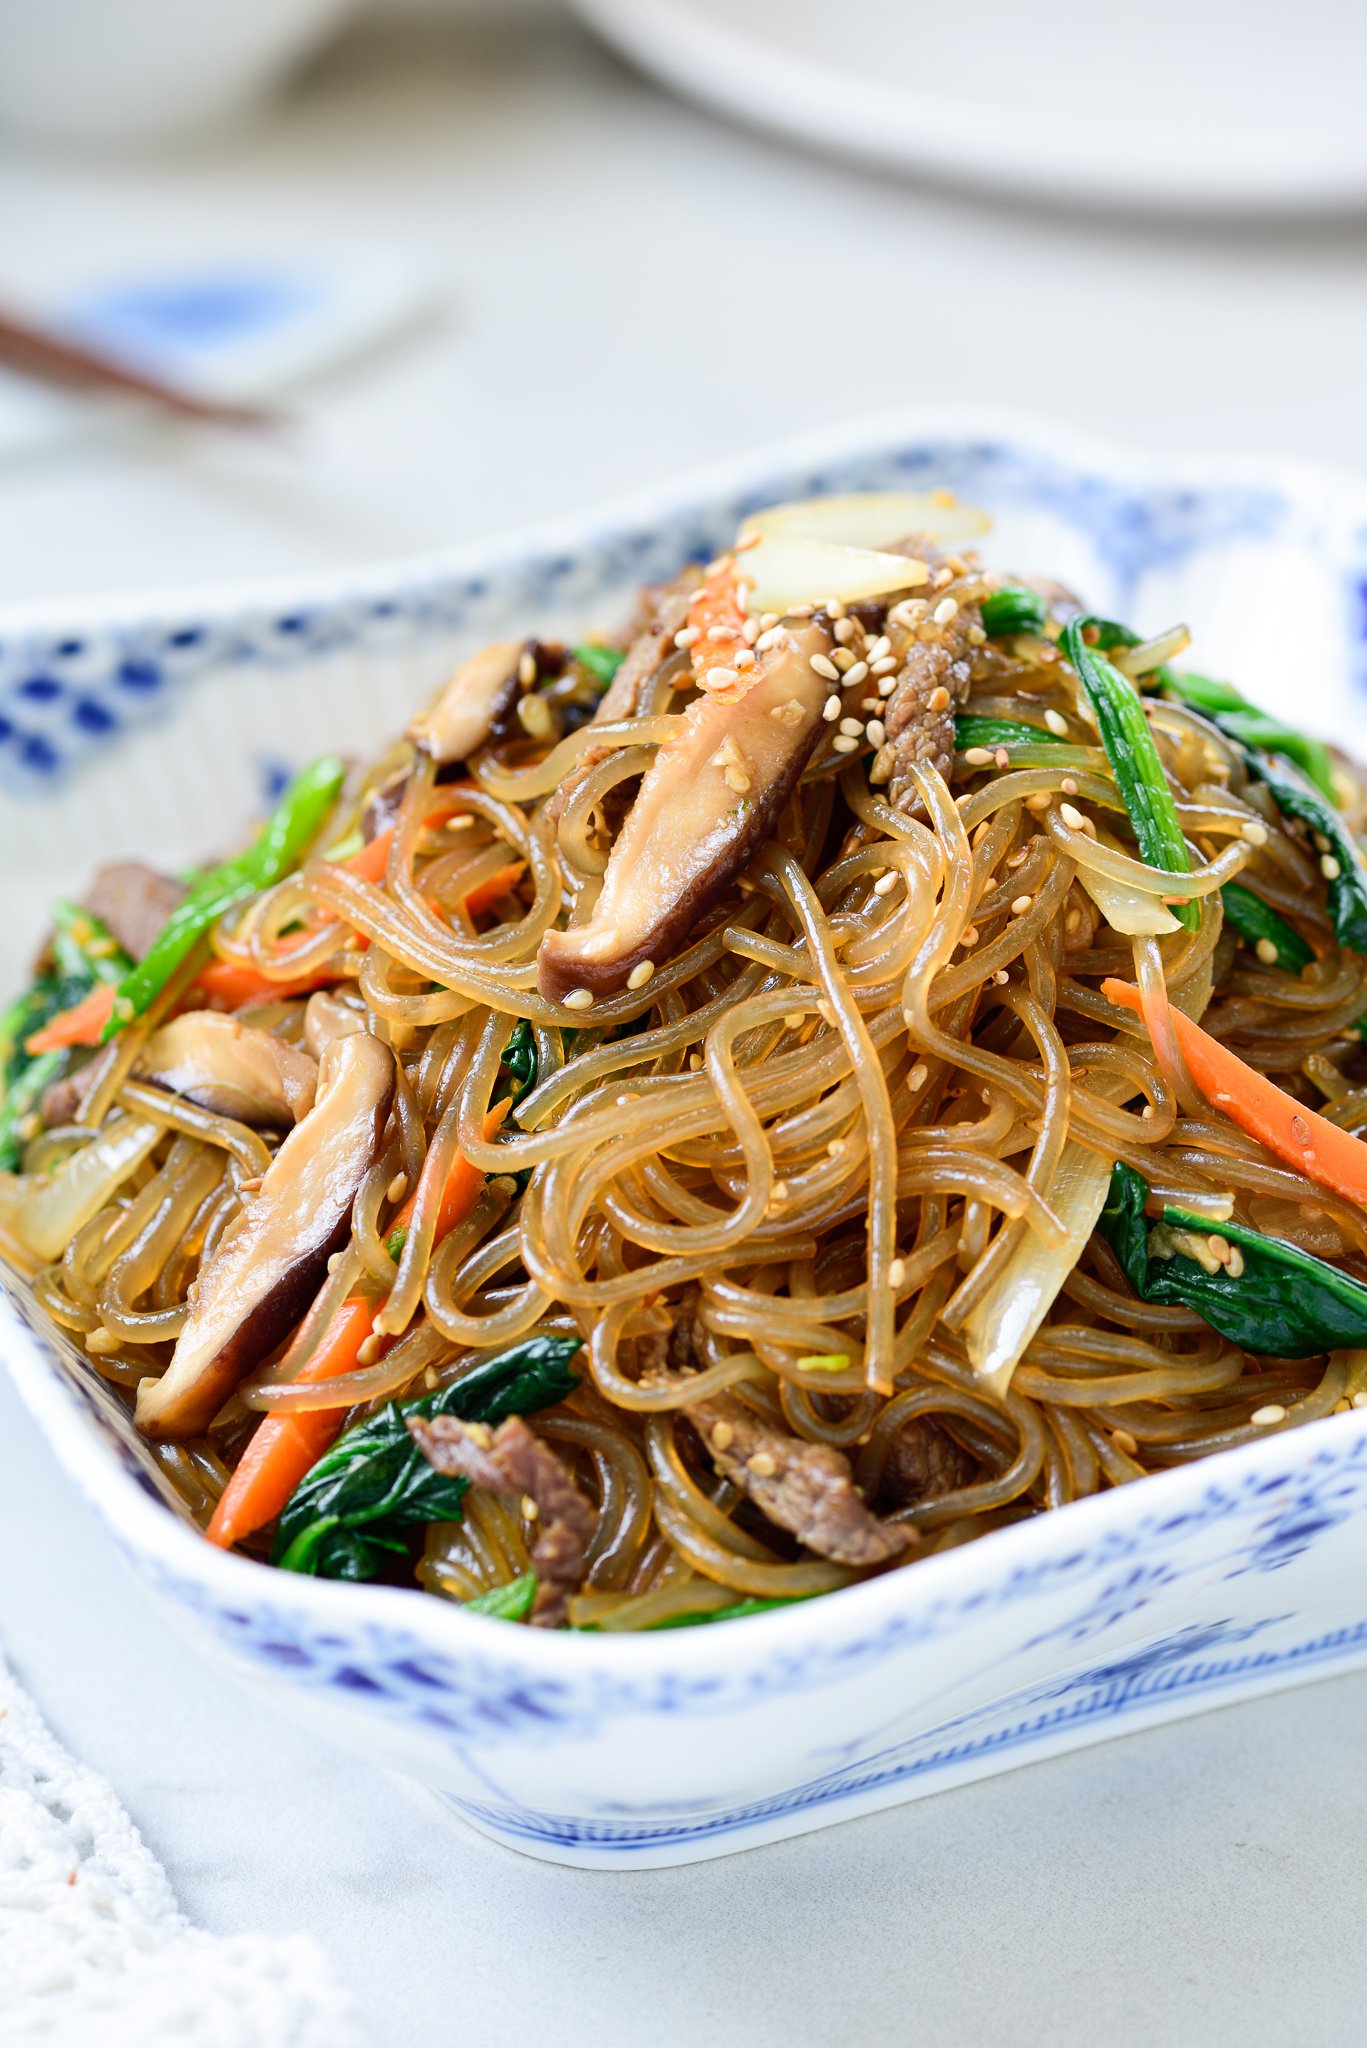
(1200, 1884)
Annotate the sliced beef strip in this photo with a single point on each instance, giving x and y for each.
(663, 612)
(933, 679)
(805, 1488)
(134, 901)
(513, 1460)
(63, 1101)
(923, 1462)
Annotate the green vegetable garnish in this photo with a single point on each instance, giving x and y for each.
(354, 1510)
(396, 1241)
(602, 662)
(1255, 921)
(1231, 711)
(735, 1612)
(972, 731)
(519, 1057)
(1298, 798)
(286, 837)
(512, 1602)
(84, 948)
(1129, 747)
(1283, 1302)
(24, 1075)
(1013, 610)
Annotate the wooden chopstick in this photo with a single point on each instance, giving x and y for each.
(52, 359)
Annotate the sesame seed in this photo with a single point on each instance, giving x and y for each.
(844, 631)
(1273, 1412)
(750, 631)
(878, 732)
(942, 576)
(1330, 868)
(844, 744)
(1266, 951)
(836, 1147)
(830, 709)
(526, 669)
(897, 1272)
(579, 999)
(720, 678)
(1234, 1265)
(770, 637)
(1056, 722)
(334, 1262)
(529, 1508)
(1255, 832)
(736, 779)
(886, 685)
(695, 1063)
(794, 1019)
(835, 606)
(397, 1188)
(969, 936)
(824, 666)
(885, 665)
(480, 1434)
(779, 1194)
(918, 1076)
(763, 1464)
(938, 700)
(855, 675)
(979, 757)
(1123, 1441)
(687, 636)
(1002, 758)
(719, 633)
(744, 659)
(801, 611)
(1021, 905)
(768, 621)
(945, 610)
(641, 974)
(1068, 786)
(1001, 977)
(977, 637)
(1072, 817)
(885, 884)
(723, 1436)
(877, 649)
(368, 1351)
(1147, 1112)
(852, 726)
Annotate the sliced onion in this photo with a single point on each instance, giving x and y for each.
(870, 519)
(1014, 1306)
(44, 1211)
(786, 569)
(1135, 912)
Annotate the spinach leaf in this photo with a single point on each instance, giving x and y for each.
(1298, 798)
(354, 1509)
(1231, 711)
(1280, 1301)
(512, 1602)
(1256, 921)
(519, 1058)
(23, 1074)
(1013, 610)
(1129, 746)
(601, 662)
(973, 731)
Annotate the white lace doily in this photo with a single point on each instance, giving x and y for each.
(94, 1952)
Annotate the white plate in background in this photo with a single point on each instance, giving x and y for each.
(1185, 106)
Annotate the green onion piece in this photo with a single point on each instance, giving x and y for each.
(1129, 746)
(972, 731)
(396, 1241)
(1255, 921)
(600, 661)
(1013, 610)
(289, 832)
(512, 1602)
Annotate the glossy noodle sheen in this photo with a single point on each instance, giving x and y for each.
(827, 1193)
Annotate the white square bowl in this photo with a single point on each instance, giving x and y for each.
(1203, 1585)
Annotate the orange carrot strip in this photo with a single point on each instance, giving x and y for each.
(285, 1447)
(231, 984)
(1304, 1139)
(485, 894)
(717, 616)
(82, 1024)
(373, 858)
